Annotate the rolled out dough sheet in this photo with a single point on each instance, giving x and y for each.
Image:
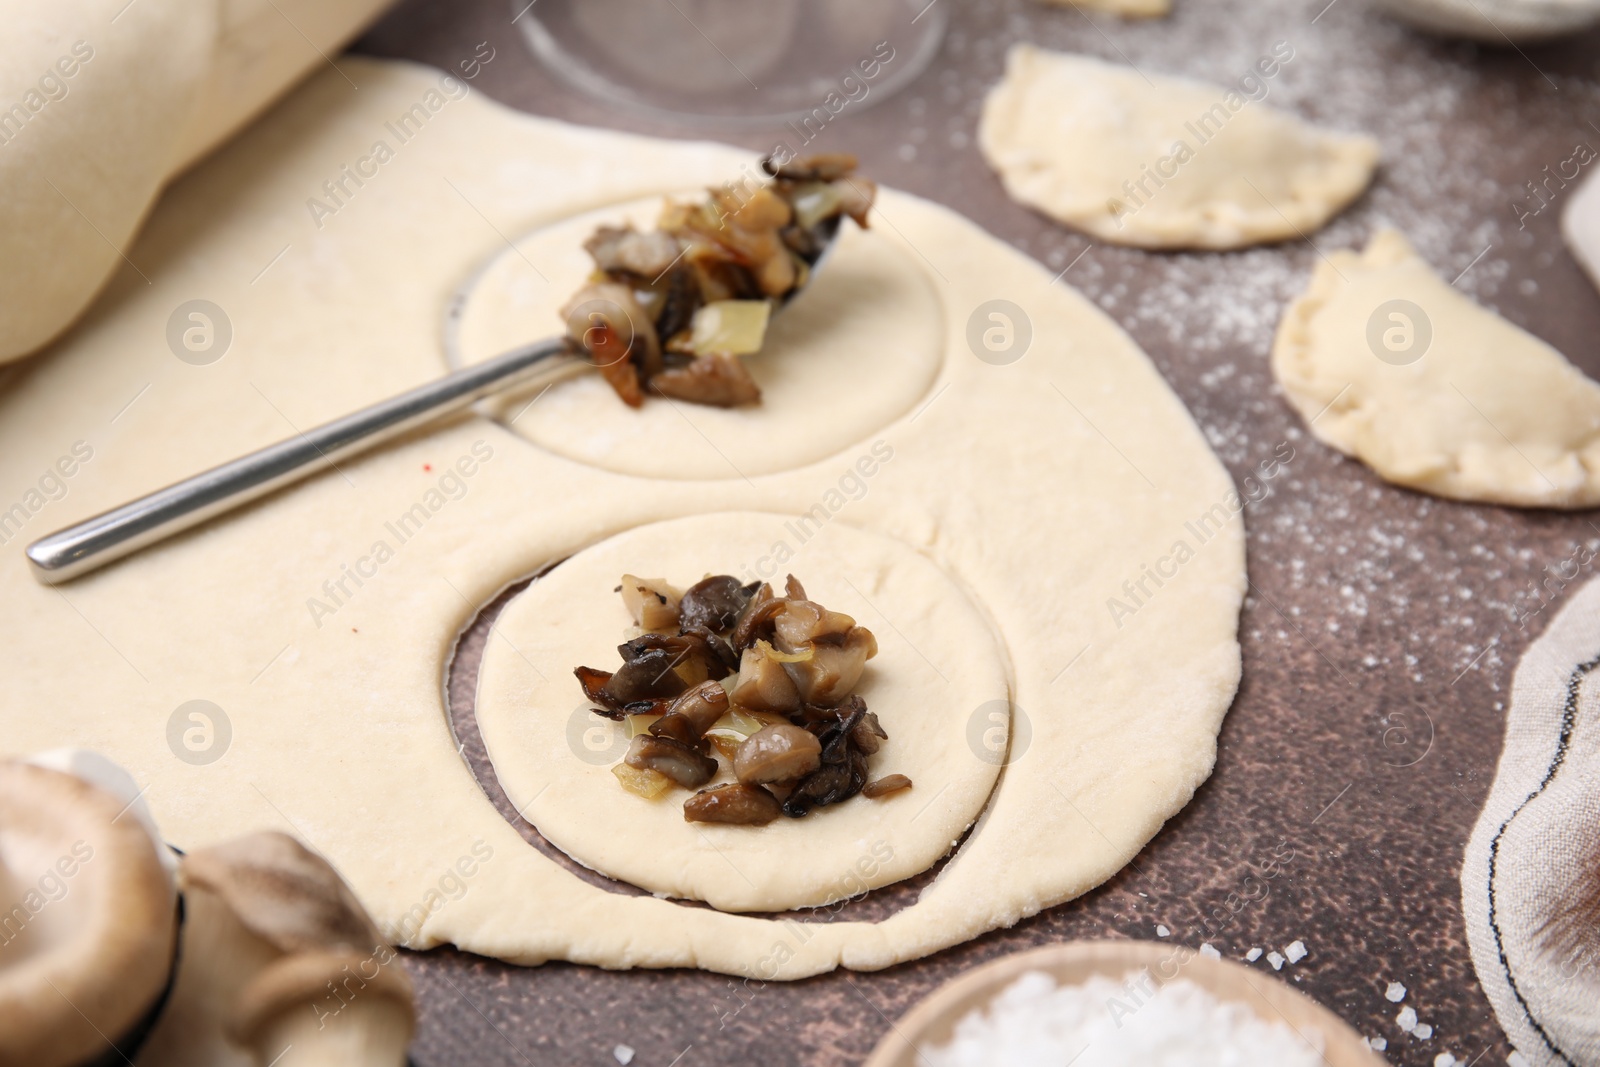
(317, 624)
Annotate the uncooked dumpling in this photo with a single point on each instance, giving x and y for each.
(1165, 162)
(1128, 9)
(1391, 365)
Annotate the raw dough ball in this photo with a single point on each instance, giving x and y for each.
(1389, 364)
(936, 662)
(852, 353)
(1164, 162)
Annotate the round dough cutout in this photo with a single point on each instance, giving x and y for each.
(849, 355)
(937, 664)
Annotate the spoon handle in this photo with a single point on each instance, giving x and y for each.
(113, 534)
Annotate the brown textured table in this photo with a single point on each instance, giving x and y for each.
(1382, 627)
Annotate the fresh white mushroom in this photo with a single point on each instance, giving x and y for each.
(652, 602)
(89, 919)
(278, 953)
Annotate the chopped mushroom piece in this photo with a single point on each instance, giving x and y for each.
(607, 321)
(777, 754)
(843, 771)
(764, 682)
(652, 603)
(823, 167)
(740, 804)
(703, 284)
(701, 707)
(714, 604)
(624, 249)
(889, 783)
(715, 379)
(766, 679)
(674, 759)
(831, 671)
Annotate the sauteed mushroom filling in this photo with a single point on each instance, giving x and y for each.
(731, 678)
(670, 311)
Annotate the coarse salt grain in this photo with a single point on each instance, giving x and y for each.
(1422, 1032)
(1379, 1044)
(1444, 1059)
(1296, 951)
(1103, 1023)
(623, 1055)
(1253, 955)
(1517, 1059)
(1395, 993)
(1276, 960)
(1210, 952)
(1162, 931)
(1407, 1019)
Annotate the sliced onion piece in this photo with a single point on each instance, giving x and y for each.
(642, 783)
(729, 327)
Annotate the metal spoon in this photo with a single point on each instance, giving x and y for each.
(113, 534)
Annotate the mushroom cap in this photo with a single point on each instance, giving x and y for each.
(284, 893)
(89, 919)
(375, 984)
(287, 897)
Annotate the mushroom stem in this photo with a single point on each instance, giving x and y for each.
(277, 952)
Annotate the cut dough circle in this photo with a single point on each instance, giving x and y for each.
(1043, 487)
(937, 664)
(1390, 365)
(854, 351)
(1162, 162)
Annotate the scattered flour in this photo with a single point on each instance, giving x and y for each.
(1103, 1023)
(1207, 319)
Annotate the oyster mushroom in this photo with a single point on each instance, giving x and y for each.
(714, 604)
(278, 953)
(704, 282)
(802, 623)
(832, 670)
(737, 804)
(614, 329)
(889, 783)
(622, 248)
(697, 711)
(715, 379)
(764, 682)
(652, 603)
(87, 945)
(757, 620)
(843, 770)
(777, 753)
(673, 758)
